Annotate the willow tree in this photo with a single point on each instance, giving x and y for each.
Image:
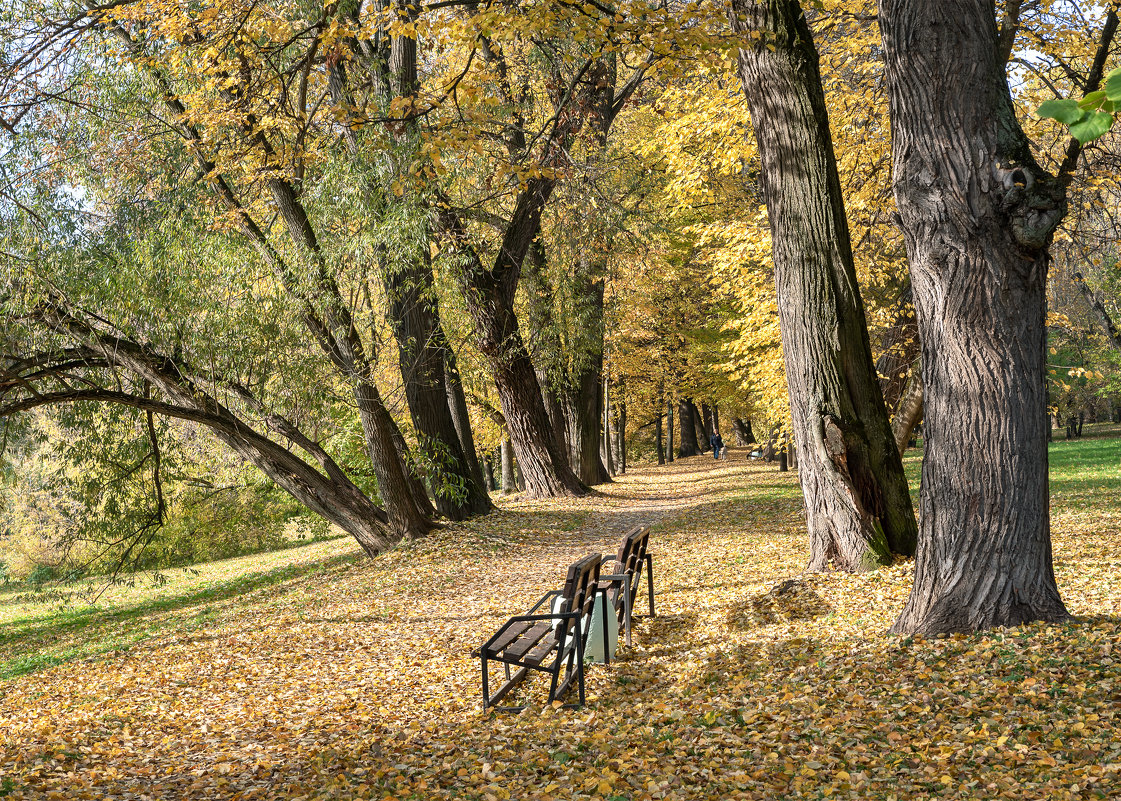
(858, 509)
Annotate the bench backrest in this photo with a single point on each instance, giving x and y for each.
(632, 554)
(579, 591)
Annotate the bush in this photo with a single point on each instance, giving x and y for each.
(41, 574)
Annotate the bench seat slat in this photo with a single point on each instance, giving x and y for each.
(529, 639)
(510, 635)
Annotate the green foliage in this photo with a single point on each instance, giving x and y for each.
(1091, 117)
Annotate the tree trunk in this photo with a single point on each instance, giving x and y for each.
(605, 442)
(489, 295)
(457, 404)
(687, 445)
(509, 484)
(708, 422)
(621, 435)
(488, 473)
(701, 433)
(742, 428)
(978, 215)
(858, 509)
(669, 431)
(909, 413)
(658, 438)
(413, 317)
(584, 414)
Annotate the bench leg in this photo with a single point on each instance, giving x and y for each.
(627, 606)
(603, 624)
(580, 661)
(486, 685)
(650, 581)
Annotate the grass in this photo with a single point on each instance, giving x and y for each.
(312, 672)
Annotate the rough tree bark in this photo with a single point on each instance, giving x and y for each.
(858, 509)
(978, 215)
(658, 438)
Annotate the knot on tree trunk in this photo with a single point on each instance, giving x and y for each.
(835, 447)
(1034, 201)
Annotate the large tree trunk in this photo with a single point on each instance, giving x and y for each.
(658, 438)
(584, 414)
(701, 432)
(413, 316)
(978, 214)
(708, 421)
(687, 445)
(858, 509)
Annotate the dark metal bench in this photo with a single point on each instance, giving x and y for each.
(626, 575)
(546, 641)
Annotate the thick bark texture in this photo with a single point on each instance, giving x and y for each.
(978, 214)
(858, 509)
(687, 445)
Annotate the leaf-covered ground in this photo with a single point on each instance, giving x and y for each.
(315, 674)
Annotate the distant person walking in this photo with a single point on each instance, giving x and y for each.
(717, 443)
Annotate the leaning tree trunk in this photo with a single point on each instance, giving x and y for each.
(489, 295)
(858, 509)
(978, 215)
(909, 413)
(688, 440)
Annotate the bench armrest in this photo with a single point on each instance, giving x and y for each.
(543, 599)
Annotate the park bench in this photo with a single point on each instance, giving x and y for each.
(547, 640)
(626, 576)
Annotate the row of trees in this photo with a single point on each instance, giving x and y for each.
(374, 248)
